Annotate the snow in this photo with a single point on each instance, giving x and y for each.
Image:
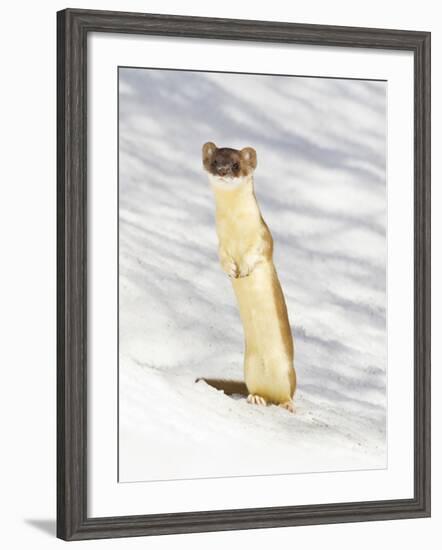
(321, 186)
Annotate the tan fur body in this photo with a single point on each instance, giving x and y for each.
(245, 251)
(246, 255)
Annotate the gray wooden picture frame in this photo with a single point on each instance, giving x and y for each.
(73, 27)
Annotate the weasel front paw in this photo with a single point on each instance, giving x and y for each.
(230, 268)
(256, 399)
(244, 271)
(233, 271)
(248, 264)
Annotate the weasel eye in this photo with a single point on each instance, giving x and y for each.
(236, 166)
(215, 162)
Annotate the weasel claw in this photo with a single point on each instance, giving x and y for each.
(233, 271)
(256, 399)
(288, 405)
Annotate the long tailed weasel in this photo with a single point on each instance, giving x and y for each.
(246, 255)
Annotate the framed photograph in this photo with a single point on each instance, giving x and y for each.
(243, 274)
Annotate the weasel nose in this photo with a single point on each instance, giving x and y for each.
(222, 170)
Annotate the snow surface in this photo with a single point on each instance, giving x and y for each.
(321, 186)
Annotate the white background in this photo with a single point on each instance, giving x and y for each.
(108, 498)
(28, 272)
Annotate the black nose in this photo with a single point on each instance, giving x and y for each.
(222, 170)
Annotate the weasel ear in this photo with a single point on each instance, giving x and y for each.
(249, 155)
(208, 149)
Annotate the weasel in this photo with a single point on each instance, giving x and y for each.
(246, 256)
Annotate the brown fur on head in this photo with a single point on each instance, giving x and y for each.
(227, 162)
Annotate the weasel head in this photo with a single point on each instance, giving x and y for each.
(228, 168)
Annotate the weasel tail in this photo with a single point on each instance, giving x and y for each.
(246, 256)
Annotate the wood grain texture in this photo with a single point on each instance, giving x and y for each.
(71, 277)
(72, 29)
